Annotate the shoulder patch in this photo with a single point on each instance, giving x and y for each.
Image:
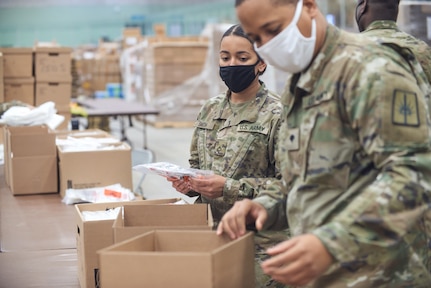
(404, 118)
(405, 110)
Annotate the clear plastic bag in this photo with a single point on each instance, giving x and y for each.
(167, 169)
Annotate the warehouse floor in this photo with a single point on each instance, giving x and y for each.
(37, 232)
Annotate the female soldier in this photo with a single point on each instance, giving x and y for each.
(235, 136)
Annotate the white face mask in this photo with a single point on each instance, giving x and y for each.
(290, 51)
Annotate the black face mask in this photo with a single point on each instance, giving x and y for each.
(238, 78)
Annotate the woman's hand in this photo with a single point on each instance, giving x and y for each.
(210, 186)
(243, 212)
(297, 261)
(182, 185)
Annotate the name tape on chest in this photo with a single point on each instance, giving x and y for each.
(252, 128)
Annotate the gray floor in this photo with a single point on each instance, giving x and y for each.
(168, 145)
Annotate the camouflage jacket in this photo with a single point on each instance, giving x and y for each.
(238, 146)
(355, 153)
(388, 31)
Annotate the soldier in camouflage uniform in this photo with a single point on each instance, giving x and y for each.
(377, 19)
(355, 156)
(235, 135)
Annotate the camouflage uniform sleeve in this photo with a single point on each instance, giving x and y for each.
(274, 199)
(388, 112)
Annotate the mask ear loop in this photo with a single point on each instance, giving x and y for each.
(298, 11)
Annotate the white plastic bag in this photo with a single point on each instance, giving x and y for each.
(112, 193)
(167, 169)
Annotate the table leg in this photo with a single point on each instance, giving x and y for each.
(145, 132)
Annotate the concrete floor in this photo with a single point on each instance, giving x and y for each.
(38, 232)
(168, 145)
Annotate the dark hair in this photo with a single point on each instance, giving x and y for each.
(238, 31)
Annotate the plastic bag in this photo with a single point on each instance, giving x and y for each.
(112, 193)
(167, 169)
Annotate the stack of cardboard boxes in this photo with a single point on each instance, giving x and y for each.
(36, 164)
(18, 75)
(37, 75)
(53, 79)
(97, 67)
(131, 37)
(169, 64)
(105, 70)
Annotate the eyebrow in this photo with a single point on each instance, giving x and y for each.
(264, 26)
(237, 52)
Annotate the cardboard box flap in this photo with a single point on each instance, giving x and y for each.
(145, 260)
(166, 215)
(18, 81)
(111, 205)
(198, 241)
(53, 50)
(67, 79)
(16, 50)
(28, 130)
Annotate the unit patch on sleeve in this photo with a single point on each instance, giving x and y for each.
(404, 119)
(405, 110)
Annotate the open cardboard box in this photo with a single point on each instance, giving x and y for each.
(82, 169)
(134, 220)
(94, 235)
(30, 160)
(179, 258)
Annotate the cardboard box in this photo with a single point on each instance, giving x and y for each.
(5, 154)
(53, 64)
(18, 62)
(181, 259)
(19, 89)
(99, 81)
(30, 160)
(137, 220)
(96, 168)
(1, 91)
(2, 135)
(107, 64)
(177, 53)
(58, 92)
(1, 79)
(131, 36)
(174, 73)
(95, 235)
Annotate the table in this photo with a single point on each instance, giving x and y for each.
(114, 107)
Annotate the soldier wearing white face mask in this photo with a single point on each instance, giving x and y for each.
(354, 152)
